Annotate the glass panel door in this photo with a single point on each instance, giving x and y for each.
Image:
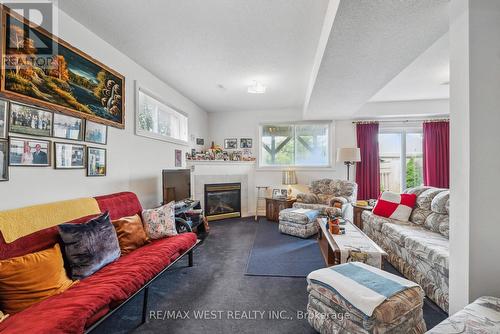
(414, 160)
(390, 161)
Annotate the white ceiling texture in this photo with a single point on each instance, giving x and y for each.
(326, 57)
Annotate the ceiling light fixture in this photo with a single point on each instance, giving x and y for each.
(257, 88)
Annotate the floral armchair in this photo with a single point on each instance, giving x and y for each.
(330, 197)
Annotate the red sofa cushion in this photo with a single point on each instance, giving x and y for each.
(34, 242)
(74, 309)
(120, 205)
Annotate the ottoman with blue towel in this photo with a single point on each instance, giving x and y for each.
(357, 298)
(298, 222)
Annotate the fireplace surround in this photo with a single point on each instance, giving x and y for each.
(222, 200)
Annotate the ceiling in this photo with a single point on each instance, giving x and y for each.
(371, 42)
(326, 57)
(427, 77)
(211, 51)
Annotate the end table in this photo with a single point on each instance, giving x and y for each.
(357, 212)
(275, 205)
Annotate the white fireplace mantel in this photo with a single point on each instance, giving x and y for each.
(210, 172)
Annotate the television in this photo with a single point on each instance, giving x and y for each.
(176, 184)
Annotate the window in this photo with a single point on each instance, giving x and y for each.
(297, 144)
(397, 173)
(157, 120)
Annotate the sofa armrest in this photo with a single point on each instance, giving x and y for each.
(337, 201)
(309, 198)
(324, 210)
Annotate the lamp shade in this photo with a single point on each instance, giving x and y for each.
(351, 154)
(288, 177)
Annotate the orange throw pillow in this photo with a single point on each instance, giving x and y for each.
(131, 234)
(28, 279)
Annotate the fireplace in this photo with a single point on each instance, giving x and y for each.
(222, 200)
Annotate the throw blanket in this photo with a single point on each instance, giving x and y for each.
(364, 286)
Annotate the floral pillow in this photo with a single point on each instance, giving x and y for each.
(160, 222)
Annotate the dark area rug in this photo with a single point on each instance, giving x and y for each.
(217, 283)
(281, 255)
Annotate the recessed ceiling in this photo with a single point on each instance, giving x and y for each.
(426, 78)
(371, 42)
(211, 51)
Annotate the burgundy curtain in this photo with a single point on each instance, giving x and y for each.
(437, 154)
(368, 170)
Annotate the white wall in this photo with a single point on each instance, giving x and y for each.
(405, 109)
(134, 163)
(245, 124)
(475, 105)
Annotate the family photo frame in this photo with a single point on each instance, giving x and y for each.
(4, 107)
(4, 160)
(230, 143)
(96, 161)
(67, 127)
(29, 152)
(69, 156)
(30, 120)
(96, 133)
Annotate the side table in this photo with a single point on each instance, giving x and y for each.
(357, 212)
(275, 205)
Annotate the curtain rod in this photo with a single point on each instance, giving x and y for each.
(403, 121)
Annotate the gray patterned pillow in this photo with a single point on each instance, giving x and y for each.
(440, 202)
(89, 246)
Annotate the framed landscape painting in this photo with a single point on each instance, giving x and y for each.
(63, 79)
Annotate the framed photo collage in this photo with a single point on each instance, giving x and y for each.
(24, 131)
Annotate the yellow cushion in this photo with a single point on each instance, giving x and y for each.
(17, 223)
(28, 279)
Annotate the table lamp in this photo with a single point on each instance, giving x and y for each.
(349, 156)
(288, 177)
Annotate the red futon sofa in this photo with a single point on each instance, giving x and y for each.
(83, 306)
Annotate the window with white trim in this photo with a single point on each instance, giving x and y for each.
(295, 145)
(157, 120)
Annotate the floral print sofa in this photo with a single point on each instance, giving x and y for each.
(419, 249)
(329, 197)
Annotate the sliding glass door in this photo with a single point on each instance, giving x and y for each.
(400, 159)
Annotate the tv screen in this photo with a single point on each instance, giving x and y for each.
(176, 184)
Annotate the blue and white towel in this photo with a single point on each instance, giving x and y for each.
(364, 286)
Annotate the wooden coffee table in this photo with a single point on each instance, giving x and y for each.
(352, 246)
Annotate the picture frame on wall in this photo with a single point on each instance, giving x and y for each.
(4, 160)
(79, 86)
(96, 161)
(246, 143)
(3, 118)
(178, 158)
(29, 152)
(30, 120)
(200, 141)
(96, 133)
(230, 143)
(67, 127)
(69, 156)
